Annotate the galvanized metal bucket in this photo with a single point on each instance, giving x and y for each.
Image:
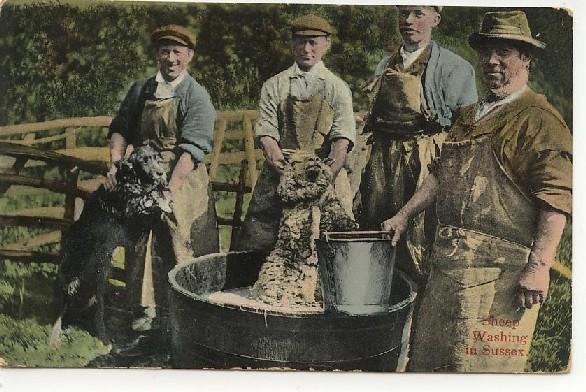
(356, 271)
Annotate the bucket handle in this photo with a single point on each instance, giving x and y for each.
(326, 234)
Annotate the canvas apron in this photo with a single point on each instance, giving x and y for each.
(304, 125)
(401, 149)
(468, 320)
(191, 229)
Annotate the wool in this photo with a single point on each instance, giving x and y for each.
(289, 275)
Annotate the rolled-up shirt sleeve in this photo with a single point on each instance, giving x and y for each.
(344, 124)
(197, 127)
(268, 123)
(547, 161)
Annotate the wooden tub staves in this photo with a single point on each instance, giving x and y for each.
(210, 334)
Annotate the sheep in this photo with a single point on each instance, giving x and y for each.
(110, 219)
(289, 276)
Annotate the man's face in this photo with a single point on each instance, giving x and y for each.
(173, 59)
(416, 23)
(503, 65)
(308, 50)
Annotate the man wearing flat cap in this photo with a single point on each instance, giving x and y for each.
(416, 91)
(305, 108)
(171, 112)
(502, 189)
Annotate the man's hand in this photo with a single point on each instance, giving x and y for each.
(111, 178)
(533, 284)
(534, 280)
(338, 155)
(273, 154)
(396, 226)
(117, 149)
(185, 165)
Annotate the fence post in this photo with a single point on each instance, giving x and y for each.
(217, 148)
(249, 150)
(70, 142)
(237, 217)
(69, 213)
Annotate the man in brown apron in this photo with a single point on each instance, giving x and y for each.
(416, 90)
(304, 108)
(172, 113)
(502, 188)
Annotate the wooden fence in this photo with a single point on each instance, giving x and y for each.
(19, 149)
(30, 145)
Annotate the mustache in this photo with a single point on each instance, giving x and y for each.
(405, 29)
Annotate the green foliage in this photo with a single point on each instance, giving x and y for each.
(550, 350)
(24, 343)
(59, 60)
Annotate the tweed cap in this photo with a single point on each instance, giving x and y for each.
(175, 33)
(504, 25)
(311, 25)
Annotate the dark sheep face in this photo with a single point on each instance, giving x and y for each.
(147, 165)
(141, 182)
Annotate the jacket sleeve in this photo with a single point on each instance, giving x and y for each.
(125, 121)
(460, 86)
(344, 124)
(544, 157)
(268, 123)
(197, 126)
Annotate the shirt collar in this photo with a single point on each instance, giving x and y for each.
(509, 98)
(488, 104)
(410, 57)
(316, 70)
(174, 83)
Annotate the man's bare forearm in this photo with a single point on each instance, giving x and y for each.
(184, 166)
(534, 279)
(422, 199)
(117, 147)
(273, 153)
(338, 154)
(550, 227)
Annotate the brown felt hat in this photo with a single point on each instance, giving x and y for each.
(175, 33)
(504, 25)
(311, 25)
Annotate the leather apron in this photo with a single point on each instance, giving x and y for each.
(400, 152)
(468, 320)
(191, 229)
(304, 124)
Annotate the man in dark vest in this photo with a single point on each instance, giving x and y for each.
(304, 108)
(502, 189)
(416, 90)
(171, 112)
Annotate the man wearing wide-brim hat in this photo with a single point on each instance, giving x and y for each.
(418, 87)
(173, 113)
(503, 190)
(304, 108)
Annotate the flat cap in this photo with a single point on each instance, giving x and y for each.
(175, 33)
(311, 25)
